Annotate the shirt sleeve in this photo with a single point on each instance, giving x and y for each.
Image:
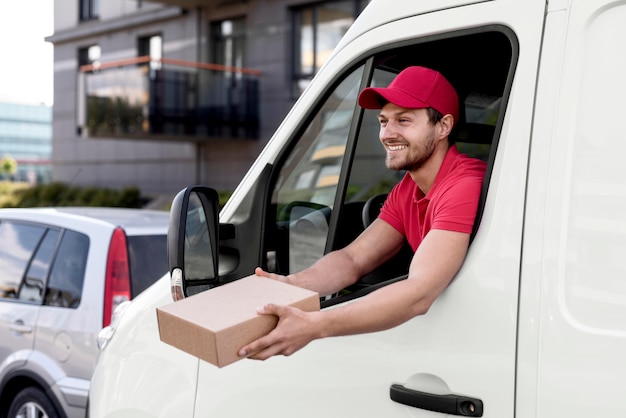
(455, 209)
(391, 210)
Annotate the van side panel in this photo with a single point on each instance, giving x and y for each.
(573, 313)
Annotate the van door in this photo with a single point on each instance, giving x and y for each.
(328, 168)
(573, 314)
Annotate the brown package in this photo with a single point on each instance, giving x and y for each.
(215, 324)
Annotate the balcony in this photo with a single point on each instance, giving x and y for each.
(168, 99)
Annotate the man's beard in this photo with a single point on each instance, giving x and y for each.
(414, 160)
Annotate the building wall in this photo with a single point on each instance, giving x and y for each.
(153, 166)
(159, 166)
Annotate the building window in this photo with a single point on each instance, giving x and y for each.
(89, 10)
(151, 46)
(89, 55)
(317, 29)
(229, 42)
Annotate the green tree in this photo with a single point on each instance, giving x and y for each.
(8, 165)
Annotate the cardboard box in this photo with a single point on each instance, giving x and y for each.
(215, 324)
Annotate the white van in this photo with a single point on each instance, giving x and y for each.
(533, 325)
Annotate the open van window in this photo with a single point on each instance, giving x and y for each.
(335, 169)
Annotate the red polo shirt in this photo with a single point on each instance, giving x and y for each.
(450, 204)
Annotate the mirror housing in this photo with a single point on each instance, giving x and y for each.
(193, 241)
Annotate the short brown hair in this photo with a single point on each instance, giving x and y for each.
(435, 116)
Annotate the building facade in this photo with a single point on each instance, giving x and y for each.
(25, 139)
(167, 93)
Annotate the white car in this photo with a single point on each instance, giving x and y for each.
(63, 271)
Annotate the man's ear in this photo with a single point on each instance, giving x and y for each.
(446, 123)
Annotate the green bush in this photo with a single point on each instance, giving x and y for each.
(60, 194)
(22, 195)
(8, 192)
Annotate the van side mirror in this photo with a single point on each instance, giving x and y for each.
(192, 241)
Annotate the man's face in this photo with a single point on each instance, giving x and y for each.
(407, 135)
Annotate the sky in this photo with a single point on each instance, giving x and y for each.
(26, 59)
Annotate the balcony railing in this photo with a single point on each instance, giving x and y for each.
(168, 99)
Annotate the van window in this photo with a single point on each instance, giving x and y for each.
(19, 241)
(481, 82)
(337, 166)
(308, 181)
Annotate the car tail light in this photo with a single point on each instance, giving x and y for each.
(117, 280)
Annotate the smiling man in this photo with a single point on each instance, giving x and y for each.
(433, 208)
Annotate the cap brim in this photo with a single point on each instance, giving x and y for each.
(376, 97)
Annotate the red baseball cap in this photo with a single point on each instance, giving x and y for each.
(415, 88)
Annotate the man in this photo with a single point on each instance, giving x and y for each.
(433, 208)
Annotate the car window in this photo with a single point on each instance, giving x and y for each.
(67, 276)
(19, 241)
(148, 260)
(32, 288)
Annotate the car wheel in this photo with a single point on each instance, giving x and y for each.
(32, 403)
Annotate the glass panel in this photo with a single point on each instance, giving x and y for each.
(155, 47)
(32, 289)
(89, 9)
(229, 42)
(19, 241)
(173, 100)
(370, 176)
(151, 46)
(68, 271)
(148, 260)
(317, 31)
(308, 181)
(334, 20)
(89, 55)
(198, 256)
(306, 45)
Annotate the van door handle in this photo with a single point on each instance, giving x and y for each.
(20, 328)
(447, 404)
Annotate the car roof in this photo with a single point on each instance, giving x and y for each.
(134, 221)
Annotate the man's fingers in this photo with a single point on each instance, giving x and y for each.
(258, 349)
(260, 272)
(273, 309)
(266, 352)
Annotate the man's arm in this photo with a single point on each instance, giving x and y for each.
(339, 269)
(434, 265)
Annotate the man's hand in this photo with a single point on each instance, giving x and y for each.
(294, 330)
(262, 273)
